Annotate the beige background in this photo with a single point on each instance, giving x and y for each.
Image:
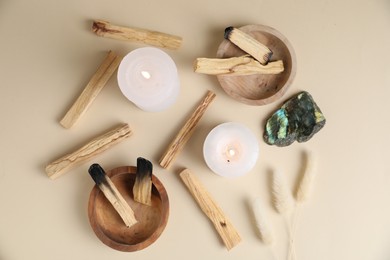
(48, 54)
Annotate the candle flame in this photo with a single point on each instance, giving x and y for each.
(146, 74)
(231, 152)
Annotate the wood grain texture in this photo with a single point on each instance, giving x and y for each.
(250, 45)
(94, 147)
(142, 189)
(243, 65)
(222, 224)
(185, 132)
(118, 202)
(91, 90)
(154, 38)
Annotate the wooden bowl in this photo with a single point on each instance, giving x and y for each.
(109, 227)
(259, 89)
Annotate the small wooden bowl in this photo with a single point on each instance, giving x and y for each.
(109, 227)
(259, 89)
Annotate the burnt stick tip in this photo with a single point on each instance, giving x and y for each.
(228, 31)
(144, 168)
(97, 173)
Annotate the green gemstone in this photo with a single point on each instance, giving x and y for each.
(298, 119)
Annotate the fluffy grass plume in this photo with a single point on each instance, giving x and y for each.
(262, 226)
(308, 175)
(282, 197)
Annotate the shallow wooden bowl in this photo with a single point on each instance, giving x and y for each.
(259, 89)
(109, 227)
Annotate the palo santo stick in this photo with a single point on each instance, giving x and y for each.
(248, 44)
(221, 223)
(112, 194)
(243, 65)
(89, 150)
(91, 90)
(142, 189)
(185, 132)
(158, 39)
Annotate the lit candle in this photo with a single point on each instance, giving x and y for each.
(148, 77)
(231, 149)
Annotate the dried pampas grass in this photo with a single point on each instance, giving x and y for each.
(284, 203)
(282, 197)
(262, 226)
(302, 194)
(308, 175)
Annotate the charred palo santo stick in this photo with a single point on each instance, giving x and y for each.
(91, 90)
(89, 150)
(221, 223)
(142, 189)
(112, 194)
(185, 132)
(243, 65)
(159, 39)
(248, 44)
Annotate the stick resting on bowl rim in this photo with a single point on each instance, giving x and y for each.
(235, 66)
(248, 44)
(112, 194)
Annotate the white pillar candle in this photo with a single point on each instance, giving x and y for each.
(148, 77)
(231, 149)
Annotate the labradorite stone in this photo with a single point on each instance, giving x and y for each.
(297, 120)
